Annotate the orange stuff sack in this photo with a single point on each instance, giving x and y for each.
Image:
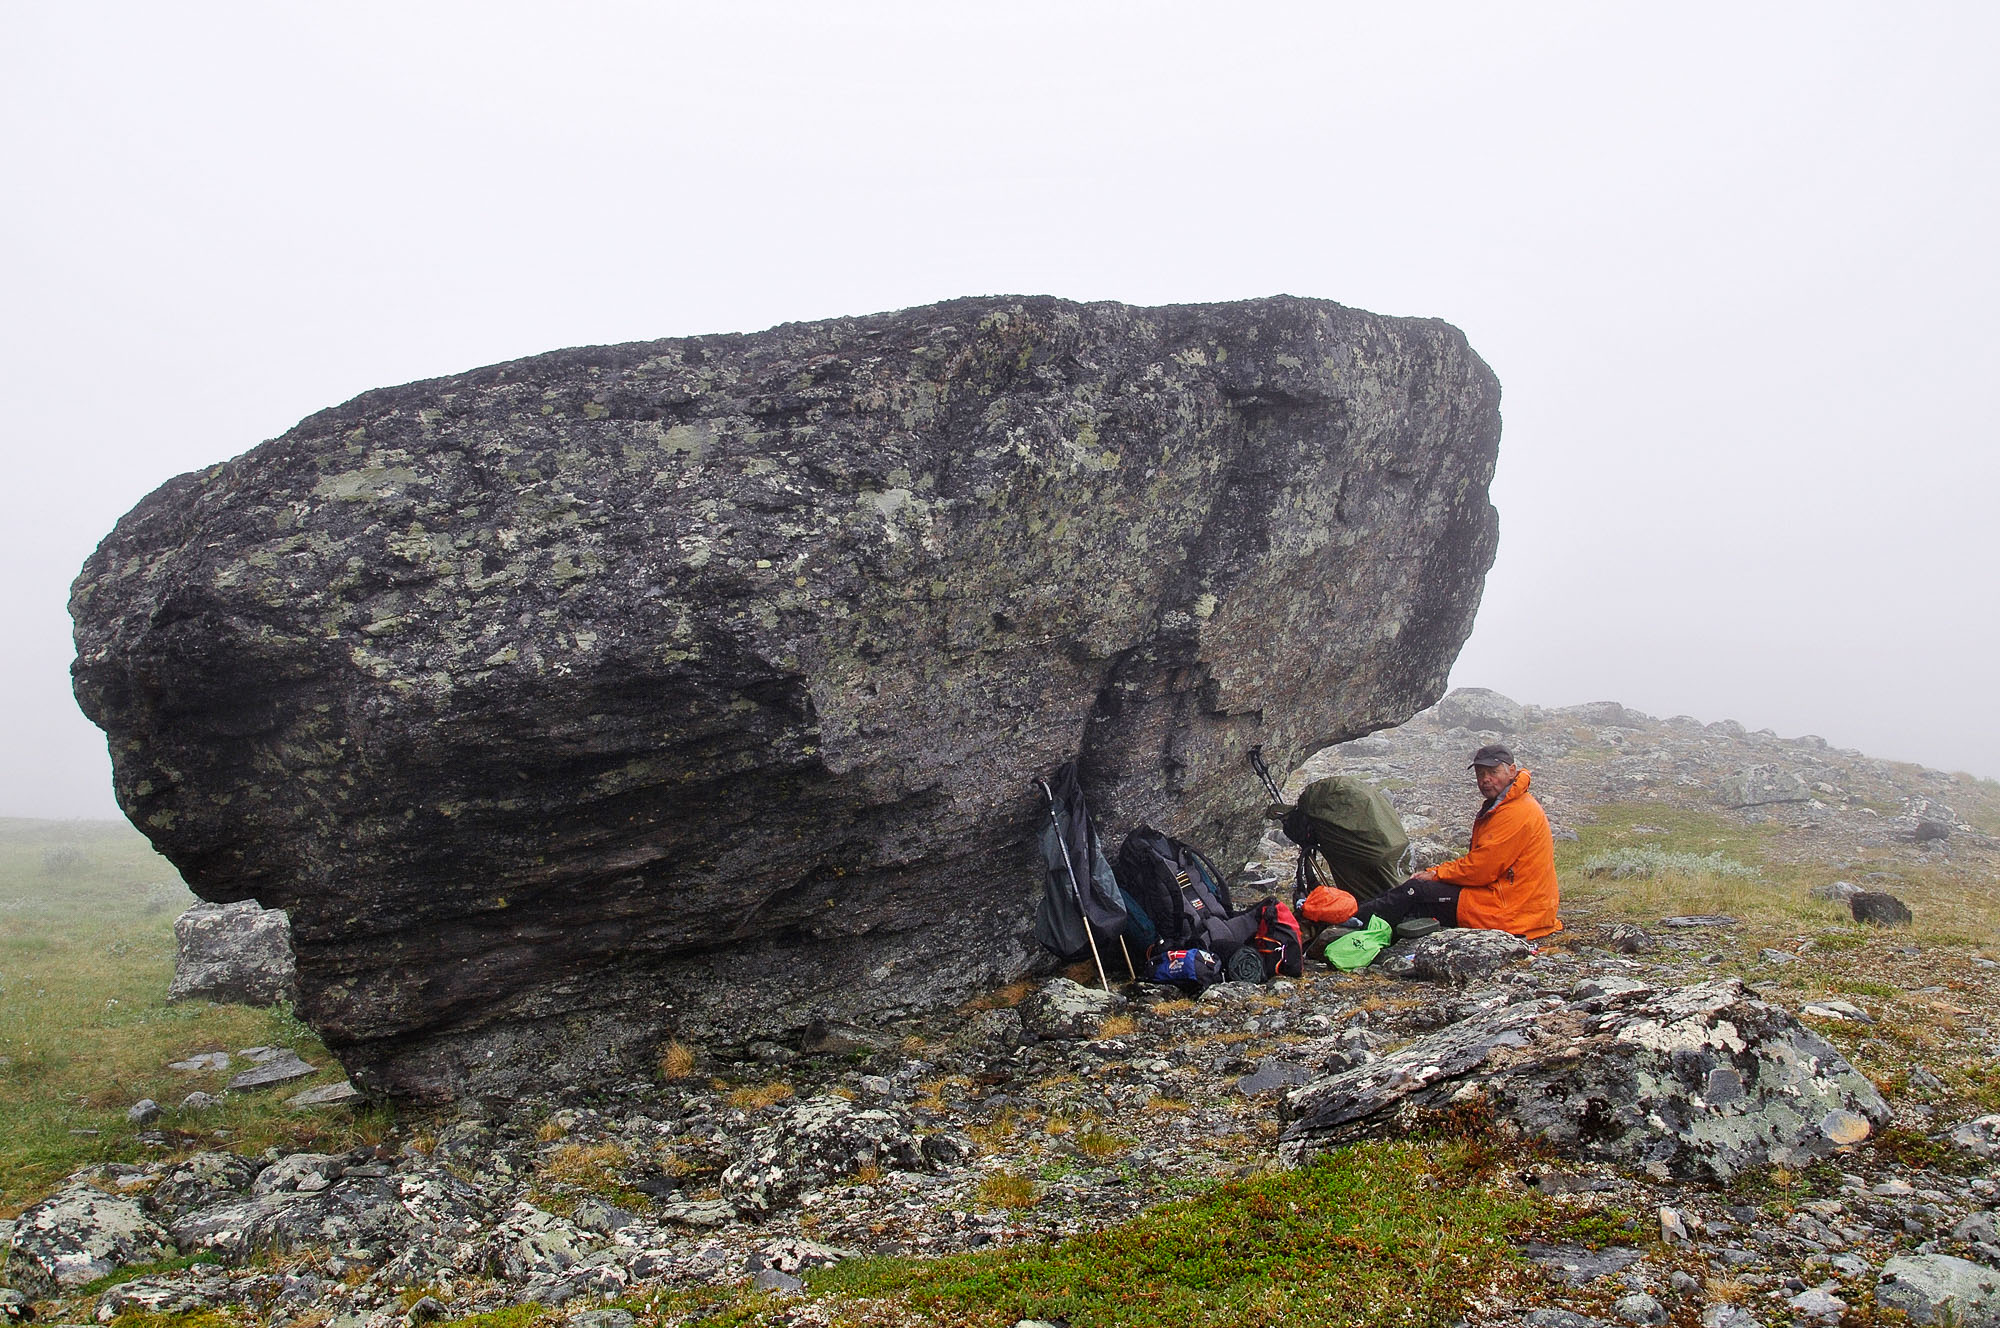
(1328, 905)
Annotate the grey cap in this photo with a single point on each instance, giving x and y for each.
(1492, 754)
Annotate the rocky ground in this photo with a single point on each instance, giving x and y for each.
(1049, 1109)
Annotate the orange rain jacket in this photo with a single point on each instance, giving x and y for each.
(1508, 879)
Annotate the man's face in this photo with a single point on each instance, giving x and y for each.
(1494, 779)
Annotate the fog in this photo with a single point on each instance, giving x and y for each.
(1734, 265)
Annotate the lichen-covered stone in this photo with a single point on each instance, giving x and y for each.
(199, 1181)
(234, 954)
(1060, 1008)
(78, 1235)
(1700, 1081)
(821, 1140)
(694, 688)
(1459, 955)
(1937, 1288)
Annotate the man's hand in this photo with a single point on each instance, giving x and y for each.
(1427, 874)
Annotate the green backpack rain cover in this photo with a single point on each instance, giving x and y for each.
(1358, 833)
(1357, 949)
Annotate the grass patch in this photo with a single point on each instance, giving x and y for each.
(86, 953)
(676, 1061)
(1008, 1189)
(1369, 1235)
(761, 1096)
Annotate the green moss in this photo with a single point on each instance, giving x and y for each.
(1368, 1235)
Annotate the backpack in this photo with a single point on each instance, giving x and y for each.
(1196, 969)
(1181, 893)
(1278, 941)
(1355, 829)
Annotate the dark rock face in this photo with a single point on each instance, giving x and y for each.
(1694, 1082)
(695, 687)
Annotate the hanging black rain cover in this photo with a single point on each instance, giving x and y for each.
(1073, 864)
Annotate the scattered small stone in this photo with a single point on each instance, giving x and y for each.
(143, 1112)
(1838, 892)
(1817, 1306)
(1692, 920)
(770, 1279)
(1779, 957)
(15, 1307)
(1673, 1227)
(1980, 1137)
(208, 1060)
(1630, 938)
(200, 1101)
(1721, 1315)
(1640, 1308)
(1878, 908)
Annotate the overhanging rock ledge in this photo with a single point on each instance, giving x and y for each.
(694, 688)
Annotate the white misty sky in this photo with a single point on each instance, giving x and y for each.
(1735, 266)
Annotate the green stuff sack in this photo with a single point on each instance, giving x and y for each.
(1356, 830)
(1357, 949)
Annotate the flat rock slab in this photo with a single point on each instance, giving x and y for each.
(1576, 1265)
(1699, 1081)
(695, 688)
(207, 1061)
(342, 1094)
(275, 1070)
(1693, 920)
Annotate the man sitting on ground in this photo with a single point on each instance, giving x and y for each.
(1507, 881)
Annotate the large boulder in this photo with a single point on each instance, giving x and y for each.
(238, 953)
(695, 688)
(1479, 708)
(1701, 1081)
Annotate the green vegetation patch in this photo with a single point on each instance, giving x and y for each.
(1371, 1234)
(86, 952)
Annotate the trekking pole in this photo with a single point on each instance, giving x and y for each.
(1263, 770)
(1307, 879)
(1128, 957)
(1089, 932)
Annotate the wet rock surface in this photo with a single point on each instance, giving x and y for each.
(717, 668)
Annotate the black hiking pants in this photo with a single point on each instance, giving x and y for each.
(1414, 899)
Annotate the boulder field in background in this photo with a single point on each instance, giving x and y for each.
(695, 688)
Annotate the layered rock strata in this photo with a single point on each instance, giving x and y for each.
(696, 688)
